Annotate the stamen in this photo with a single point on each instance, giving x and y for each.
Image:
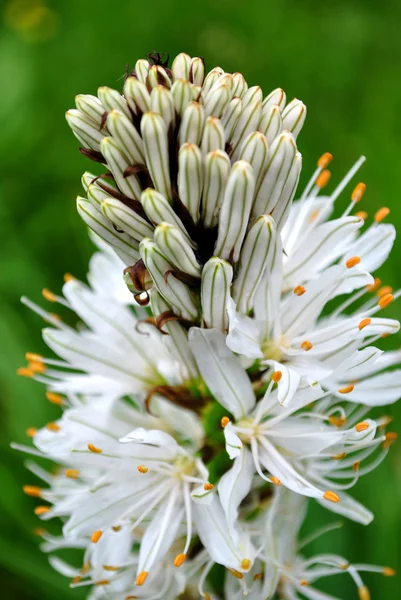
(382, 214)
(323, 179)
(391, 437)
(179, 560)
(33, 357)
(72, 473)
(352, 262)
(384, 290)
(140, 580)
(332, 496)
(347, 389)
(303, 582)
(374, 286)
(389, 572)
(102, 582)
(306, 345)
(236, 573)
(41, 510)
(96, 536)
(275, 480)
(339, 456)
(32, 490)
(358, 192)
(53, 427)
(224, 422)
(386, 300)
(76, 579)
(39, 531)
(37, 367)
(362, 426)
(324, 160)
(246, 564)
(364, 323)
(110, 568)
(356, 465)
(48, 295)
(55, 398)
(31, 431)
(276, 377)
(362, 214)
(85, 567)
(257, 576)
(363, 593)
(337, 421)
(299, 290)
(208, 486)
(116, 528)
(94, 449)
(142, 469)
(25, 372)
(68, 277)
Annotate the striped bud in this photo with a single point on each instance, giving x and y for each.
(217, 101)
(175, 293)
(161, 102)
(126, 219)
(294, 116)
(154, 135)
(217, 275)
(142, 67)
(96, 195)
(84, 128)
(190, 178)
(192, 122)
(217, 166)
(157, 75)
(258, 245)
(181, 66)
(90, 106)
(176, 248)
(159, 210)
(126, 136)
(252, 95)
(197, 71)
(118, 164)
(137, 95)
(112, 100)
(213, 135)
(235, 211)
(248, 122)
(230, 116)
(183, 93)
(211, 79)
(86, 179)
(255, 150)
(277, 96)
(240, 86)
(271, 122)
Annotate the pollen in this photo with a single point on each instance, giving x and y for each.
(362, 214)
(179, 560)
(324, 160)
(236, 573)
(32, 490)
(48, 295)
(31, 431)
(386, 300)
(71, 473)
(391, 437)
(374, 286)
(275, 480)
(68, 277)
(76, 579)
(96, 536)
(389, 572)
(41, 510)
(339, 456)
(140, 580)
(352, 262)
(299, 290)
(208, 486)
(306, 345)
(94, 449)
(381, 214)
(304, 582)
(224, 422)
(53, 427)
(37, 367)
(257, 576)
(363, 593)
(384, 290)
(356, 465)
(276, 377)
(323, 179)
(362, 426)
(332, 496)
(337, 421)
(358, 192)
(364, 323)
(142, 469)
(102, 582)
(55, 398)
(33, 357)
(25, 372)
(110, 568)
(246, 564)
(347, 389)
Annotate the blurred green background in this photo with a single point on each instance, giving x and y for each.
(342, 59)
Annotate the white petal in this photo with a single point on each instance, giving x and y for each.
(235, 485)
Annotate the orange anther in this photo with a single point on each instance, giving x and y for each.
(53, 427)
(41, 510)
(374, 286)
(324, 160)
(96, 536)
(142, 469)
(299, 290)
(364, 323)
(224, 422)
(352, 262)
(389, 572)
(275, 480)
(381, 214)
(71, 473)
(276, 377)
(362, 426)
(386, 300)
(32, 490)
(306, 345)
(94, 449)
(362, 214)
(323, 179)
(332, 496)
(358, 192)
(179, 560)
(347, 389)
(140, 580)
(48, 295)
(208, 486)
(55, 398)
(25, 372)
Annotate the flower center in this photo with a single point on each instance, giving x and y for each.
(274, 349)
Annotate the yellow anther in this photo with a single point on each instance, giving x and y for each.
(364, 323)
(246, 564)
(208, 486)
(332, 496)
(31, 431)
(356, 465)
(276, 377)
(374, 286)
(362, 426)
(96, 536)
(347, 389)
(303, 582)
(110, 568)
(389, 572)
(25, 372)
(358, 192)
(314, 216)
(76, 579)
(48, 295)
(33, 357)
(257, 576)
(102, 582)
(32, 490)
(391, 437)
(386, 300)
(306, 345)
(275, 480)
(140, 580)
(352, 262)
(54, 316)
(71, 473)
(236, 573)
(37, 367)
(363, 593)
(179, 560)
(362, 214)
(384, 290)
(337, 421)
(55, 398)
(68, 277)
(39, 531)
(381, 214)
(41, 510)
(224, 422)
(299, 290)
(142, 469)
(385, 420)
(324, 160)
(94, 449)
(116, 528)
(323, 179)
(339, 456)
(85, 567)
(53, 427)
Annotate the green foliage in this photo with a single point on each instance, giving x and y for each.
(342, 59)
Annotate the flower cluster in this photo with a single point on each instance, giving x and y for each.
(225, 356)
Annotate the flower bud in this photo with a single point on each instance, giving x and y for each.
(211, 79)
(191, 126)
(235, 210)
(197, 71)
(294, 116)
(181, 66)
(159, 210)
(217, 275)
(271, 122)
(126, 136)
(213, 135)
(112, 100)
(86, 130)
(142, 67)
(190, 178)
(277, 96)
(217, 166)
(217, 101)
(176, 248)
(230, 116)
(183, 93)
(90, 106)
(255, 150)
(86, 179)
(118, 163)
(240, 86)
(154, 135)
(248, 122)
(252, 95)
(96, 194)
(137, 95)
(126, 219)
(161, 102)
(157, 75)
